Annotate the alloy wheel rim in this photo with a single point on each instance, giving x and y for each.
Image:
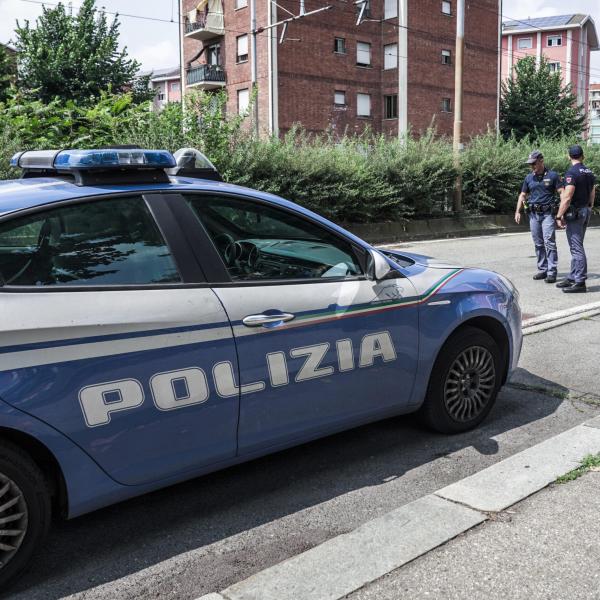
(13, 519)
(470, 383)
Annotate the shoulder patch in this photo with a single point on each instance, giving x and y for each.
(569, 179)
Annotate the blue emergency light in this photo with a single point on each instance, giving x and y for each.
(126, 165)
(69, 160)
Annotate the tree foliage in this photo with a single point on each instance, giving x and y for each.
(75, 57)
(8, 72)
(534, 103)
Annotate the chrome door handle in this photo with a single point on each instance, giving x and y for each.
(258, 320)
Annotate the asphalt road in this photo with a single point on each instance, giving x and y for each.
(513, 255)
(206, 534)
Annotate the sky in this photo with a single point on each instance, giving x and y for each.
(154, 43)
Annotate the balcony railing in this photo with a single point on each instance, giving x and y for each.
(199, 23)
(205, 25)
(206, 76)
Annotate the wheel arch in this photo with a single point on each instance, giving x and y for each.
(43, 457)
(496, 330)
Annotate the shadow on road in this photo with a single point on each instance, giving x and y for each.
(125, 538)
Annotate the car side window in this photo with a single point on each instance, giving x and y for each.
(104, 242)
(259, 242)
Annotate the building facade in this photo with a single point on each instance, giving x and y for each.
(167, 85)
(565, 41)
(392, 72)
(594, 114)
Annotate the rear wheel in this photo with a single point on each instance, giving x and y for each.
(464, 382)
(24, 511)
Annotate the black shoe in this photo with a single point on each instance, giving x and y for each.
(576, 288)
(540, 275)
(565, 283)
(550, 279)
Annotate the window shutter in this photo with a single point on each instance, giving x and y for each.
(363, 53)
(390, 56)
(363, 105)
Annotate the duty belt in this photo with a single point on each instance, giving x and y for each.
(541, 208)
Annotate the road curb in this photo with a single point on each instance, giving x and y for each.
(560, 317)
(347, 562)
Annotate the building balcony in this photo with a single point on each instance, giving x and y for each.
(204, 27)
(206, 77)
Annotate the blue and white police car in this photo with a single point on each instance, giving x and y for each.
(157, 324)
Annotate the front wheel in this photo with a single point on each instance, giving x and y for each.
(24, 511)
(464, 383)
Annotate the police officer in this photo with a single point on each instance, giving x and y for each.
(574, 214)
(539, 192)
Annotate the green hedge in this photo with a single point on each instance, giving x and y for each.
(354, 179)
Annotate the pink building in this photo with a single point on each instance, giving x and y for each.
(564, 41)
(167, 83)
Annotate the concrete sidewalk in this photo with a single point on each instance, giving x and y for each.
(546, 547)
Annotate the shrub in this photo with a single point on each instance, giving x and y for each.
(364, 178)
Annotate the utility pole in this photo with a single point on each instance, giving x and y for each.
(254, 65)
(182, 73)
(458, 100)
(254, 33)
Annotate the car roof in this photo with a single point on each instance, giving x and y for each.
(22, 194)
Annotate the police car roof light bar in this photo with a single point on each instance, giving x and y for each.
(97, 167)
(65, 160)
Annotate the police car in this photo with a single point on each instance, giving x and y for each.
(157, 324)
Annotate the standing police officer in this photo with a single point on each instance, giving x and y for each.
(539, 191)
(574, 214)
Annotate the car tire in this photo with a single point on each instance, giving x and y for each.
(25, 511)
(464, 382)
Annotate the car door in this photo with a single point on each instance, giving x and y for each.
(319, 345)
(106, 336)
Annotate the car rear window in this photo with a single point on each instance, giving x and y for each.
(104, 242)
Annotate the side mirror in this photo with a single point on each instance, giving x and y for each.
(378, 267)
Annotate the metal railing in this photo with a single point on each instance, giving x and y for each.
(199, 23)
(206, 73)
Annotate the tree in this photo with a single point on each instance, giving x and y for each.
(535, 103)
(75, 57)
(8, 72)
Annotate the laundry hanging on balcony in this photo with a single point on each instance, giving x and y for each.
(215, 20)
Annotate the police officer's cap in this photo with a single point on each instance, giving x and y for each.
(534, 156)
(576, 151)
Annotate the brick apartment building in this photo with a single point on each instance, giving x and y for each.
(392, 72)
(565, 41)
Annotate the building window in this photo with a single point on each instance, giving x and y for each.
(367, 4)
(242, 48)
(339, 45)
(446, 106)
(241, 4)
(243, 97)
(554, 40)
(446, 57)
(363, 54)
(391, 107)
(525, 43)
(160, 96)
(554, 67)
(175, 86)
(447, 8)
(390, 56)
(363, 105)
(339, 98)
(390, 9)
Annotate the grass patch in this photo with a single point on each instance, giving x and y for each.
(589, 462)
